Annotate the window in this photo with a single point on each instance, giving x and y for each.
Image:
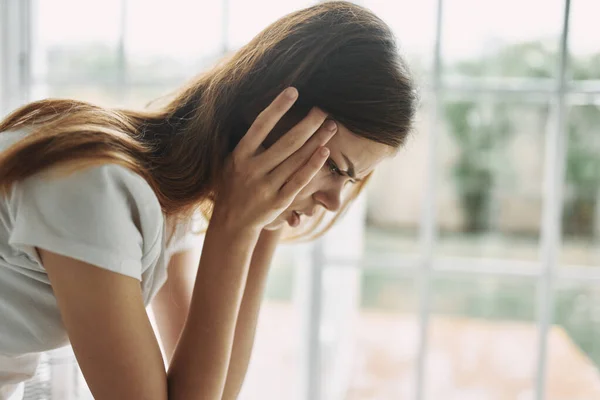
(3, 37)
(474, 252)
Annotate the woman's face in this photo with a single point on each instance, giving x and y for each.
(351, 159)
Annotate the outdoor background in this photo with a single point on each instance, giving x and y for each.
(470, 268)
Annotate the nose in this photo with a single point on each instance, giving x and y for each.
(330, 198)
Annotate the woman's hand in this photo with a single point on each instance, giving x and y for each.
(257, 184)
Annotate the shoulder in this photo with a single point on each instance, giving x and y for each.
(105, 215)
(102, 185)
(108, 206)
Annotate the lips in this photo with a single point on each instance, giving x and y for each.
(294, 219)
(296, 216)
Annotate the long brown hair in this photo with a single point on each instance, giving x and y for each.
(341, 57)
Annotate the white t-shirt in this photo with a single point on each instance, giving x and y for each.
(107, 216)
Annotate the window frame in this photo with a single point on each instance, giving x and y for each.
(16, 50)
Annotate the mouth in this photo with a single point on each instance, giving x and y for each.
(294, 219)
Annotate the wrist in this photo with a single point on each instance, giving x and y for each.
(232, 230)
(271, 235)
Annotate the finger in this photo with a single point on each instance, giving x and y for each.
(266, 121)
(304, 175)
(286, 169)
(292, 141)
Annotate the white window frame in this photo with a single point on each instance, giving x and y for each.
(16, 78)
(15, 53)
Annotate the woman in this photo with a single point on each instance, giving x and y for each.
(96, 204)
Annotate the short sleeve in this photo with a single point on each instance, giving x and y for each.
(107, 216)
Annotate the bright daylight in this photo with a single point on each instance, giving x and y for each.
(467, 268)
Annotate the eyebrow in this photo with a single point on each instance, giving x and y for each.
(350, 172)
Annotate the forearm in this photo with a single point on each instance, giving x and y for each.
(170, 317)
(249, 310)
(172, 302)
(201, 360)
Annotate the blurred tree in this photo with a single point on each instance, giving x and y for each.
(480, 129)
(582, 179)
(483, 129)
(93, 63)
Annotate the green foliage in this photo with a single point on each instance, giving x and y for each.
(93, 62)
(482, 131)
(523, 60)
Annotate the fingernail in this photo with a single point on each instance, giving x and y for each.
(330, 125)
(291, 93)
(324, 151)
(320, 112)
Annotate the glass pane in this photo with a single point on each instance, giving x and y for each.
(395, 195)
(2, 62)
(573, 349)
(512, 38)
(490, 178)
(108, 96)
(583, 39)
(140, 97)
(171, 41)
(57, 377)
(80, 48)
(369, 334)
(242, 28)
(413, 23)
(274, 366)
(581, 207)
(483, 339)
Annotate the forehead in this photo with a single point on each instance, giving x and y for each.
(365, 154)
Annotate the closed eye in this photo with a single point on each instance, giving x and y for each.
(334, 169)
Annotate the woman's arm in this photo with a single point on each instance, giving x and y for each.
(246, 323)
(201, 360)
(108, 328)
(113, 340)
(172, 302)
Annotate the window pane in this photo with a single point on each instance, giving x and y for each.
(483, 339)
(490, 177)
(413, 23)
(247, 18)
(581, 206)
(395, 195)
(130, 96)
(2, 61)
(274, 366)
(105, 95)
(369, 334)
(573, 350)
(583, 39)
(171, 41)
(511, 38)
(142, 96)
(79, 48)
